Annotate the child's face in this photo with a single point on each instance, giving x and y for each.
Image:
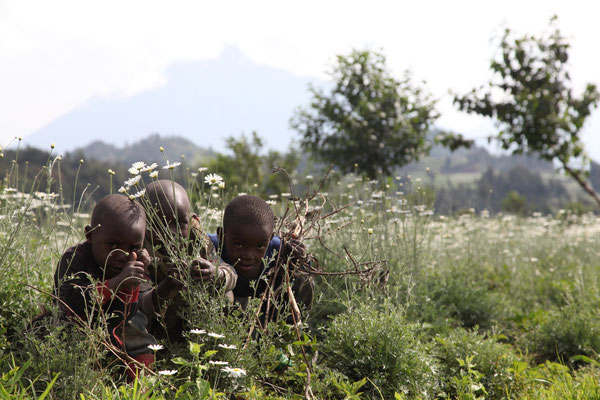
(246, 247)
(177, 219)
(112, 240)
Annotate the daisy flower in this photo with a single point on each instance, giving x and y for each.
(138, 165)
(139, 194)
(198, 331)
(218, 362)
(213, 179)
(155, 347)
(167, 372)
(234, 372)
(122, 189)
(215, 335)
(153, 174)
(202, 169)
(271, 202)
(228, 346)
(133, 181)
(172, 166)
(149, 167)
(133, 171)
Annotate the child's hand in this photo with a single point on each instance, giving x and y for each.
(294, 250)
(144, 257)
(202, 269)
(133, 273)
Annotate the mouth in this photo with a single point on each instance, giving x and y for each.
(245, 267)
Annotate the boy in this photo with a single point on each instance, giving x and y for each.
(247, 242)
(101, 276)
(171, 229)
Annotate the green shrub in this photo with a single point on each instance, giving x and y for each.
(461, 293)
(566, 332)
(492, 360)
(379, 344)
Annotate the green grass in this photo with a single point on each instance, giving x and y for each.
(418, 306)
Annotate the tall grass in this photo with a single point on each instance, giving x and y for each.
(409, 304)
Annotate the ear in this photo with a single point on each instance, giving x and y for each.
(220, 234)
(88, 233)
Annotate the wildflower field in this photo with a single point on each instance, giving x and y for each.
(408, 305)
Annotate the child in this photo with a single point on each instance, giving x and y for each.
(247, 242)
(173, 228)
(110, 265)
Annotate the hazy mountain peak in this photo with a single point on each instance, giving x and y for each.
(203, 101)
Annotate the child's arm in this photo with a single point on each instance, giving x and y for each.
(72, 284)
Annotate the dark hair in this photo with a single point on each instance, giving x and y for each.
(116, 206)
(248, 210)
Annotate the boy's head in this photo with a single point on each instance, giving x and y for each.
(116, 232)
(172, 206)
(247, 231)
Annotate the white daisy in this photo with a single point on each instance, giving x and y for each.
(138, 165)
(211, 362)
(172, 166)
(271, 202)
(198, 331)
(234, 372)
(133, 181)
(139, 194)
(133, 171)
(221, 185)
(213, 179)
(155, 347)
(228, 346)
(167, 372)
(202, 169)
(153, 174)
(122, 189)
(215, 335)
(149, 167)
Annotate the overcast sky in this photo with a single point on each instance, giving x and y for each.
(55, 55)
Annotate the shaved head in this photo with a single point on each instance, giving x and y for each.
(170, 202)
(248, 210)
(116, 208)
(165, 193)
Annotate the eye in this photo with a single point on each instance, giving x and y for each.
(238, 245)
(112, 245)
(261, 245)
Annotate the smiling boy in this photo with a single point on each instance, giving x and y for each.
(102, 275)
(247, 242)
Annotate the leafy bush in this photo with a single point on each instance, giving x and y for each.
(462, 293)
(380, 344)
(492, 360)
(566, 332)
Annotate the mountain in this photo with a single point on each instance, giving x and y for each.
(203, 101)
(147, 150)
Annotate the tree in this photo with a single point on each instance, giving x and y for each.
(533, 103)
(368, 118)
(248, 170)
